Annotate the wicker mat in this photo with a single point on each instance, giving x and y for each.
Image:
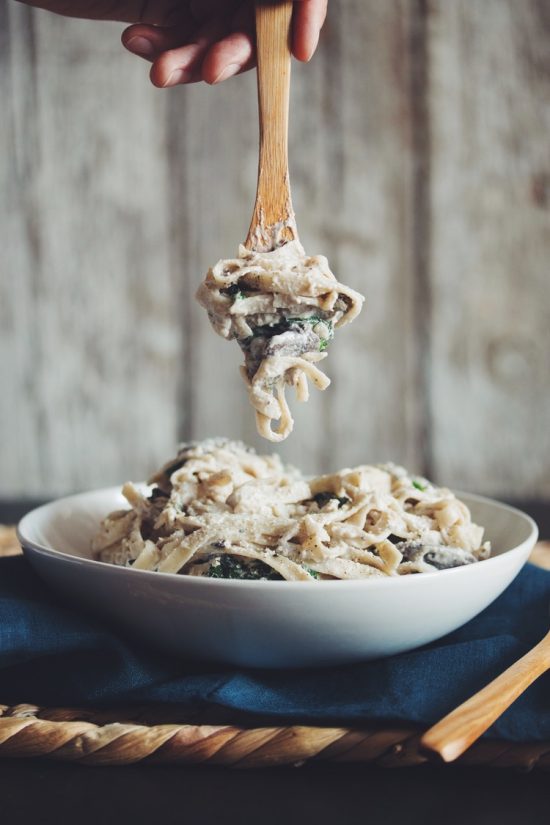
(166, 735)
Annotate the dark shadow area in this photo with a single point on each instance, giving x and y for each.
(313, 793)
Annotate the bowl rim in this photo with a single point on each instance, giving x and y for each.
(29, 544)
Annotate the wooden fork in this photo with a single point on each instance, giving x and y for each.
(454, 734)
(273, 222)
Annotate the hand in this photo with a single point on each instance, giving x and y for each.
(194, 40)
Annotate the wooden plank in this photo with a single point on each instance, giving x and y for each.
(490, 251)
(19, 248)
(89, 331)
(212, 163)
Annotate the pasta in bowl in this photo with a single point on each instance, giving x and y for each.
(308, 620)
(220, 510)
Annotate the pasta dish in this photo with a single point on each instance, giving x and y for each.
(222, 511)
(282, 307)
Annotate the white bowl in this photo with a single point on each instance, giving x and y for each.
(271, 623)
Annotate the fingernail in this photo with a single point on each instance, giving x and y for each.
(313, 50)
(178, 76)
(141, 46)
(229, 71)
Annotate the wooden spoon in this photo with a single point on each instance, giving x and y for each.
(454, 734)
(273, 222)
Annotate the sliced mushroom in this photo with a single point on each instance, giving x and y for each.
(437, 555)
(294, 342)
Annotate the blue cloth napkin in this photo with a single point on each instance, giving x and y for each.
(52, 655)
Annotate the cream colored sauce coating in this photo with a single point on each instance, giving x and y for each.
(218, 499)
(282, 307)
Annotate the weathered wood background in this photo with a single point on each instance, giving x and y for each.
(420, 155)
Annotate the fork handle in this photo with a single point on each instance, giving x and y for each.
(273, 208)
(454, 734)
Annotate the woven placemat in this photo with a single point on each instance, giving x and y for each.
(168, 735)
(9, 546)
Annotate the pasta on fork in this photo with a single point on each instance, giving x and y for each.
(282, 307)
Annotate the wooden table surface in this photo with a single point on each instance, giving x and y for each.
(48, 792)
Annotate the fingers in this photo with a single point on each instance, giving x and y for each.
(184, 63)
(173, 63)
(228, 57)
(308, 19)
(184, 55)
(150, 42)
(235, 53)
(220, 48)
